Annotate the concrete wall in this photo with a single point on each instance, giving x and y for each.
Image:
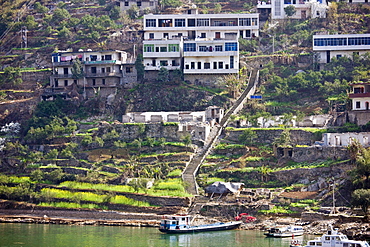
(359, 117)
(299, 137)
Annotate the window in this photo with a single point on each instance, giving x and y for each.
(338, 56)
(151, 35)
(163, 49)
(148, 48)
(151, 3)
(129, 70)
(94, 82)
(179, 22)
(157, 49)
(165, 22)
(203, 48)
(108, 57)
(330, 42)
(199, 65)
(207, 65)
(108, 69)
(244, 21)
(254, 22)
(103, 81)
(214, 65)
(231, 62)
(191, 22)
(359, 41)
(218, 47)
(173, 47)
(231, 46)
(103, 70)
(277, 7)
(202, 22)
(151, 23)
(203, 35)
(138, 4)
(358, 104)
(126, 3)
(165, 35)
(192, 65)
(65, 71)
(93, 57)
(163, 63)
(248, 33)
(93, 70)
(189, 47)
(65, 83)
(220, 65)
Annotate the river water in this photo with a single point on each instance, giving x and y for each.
(40, 235)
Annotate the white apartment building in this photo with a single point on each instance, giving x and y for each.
(360, 96)
(101, 69)
(141, 4)
(201, 45)
(304, 9)
(338, 45)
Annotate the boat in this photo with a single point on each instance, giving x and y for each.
(285, 231)
(183, 224)
(333, 238)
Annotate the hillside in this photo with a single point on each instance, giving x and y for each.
(79, 154)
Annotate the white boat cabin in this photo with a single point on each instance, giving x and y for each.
(333, 238)
(176, 222)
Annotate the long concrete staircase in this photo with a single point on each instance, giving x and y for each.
(192, 168)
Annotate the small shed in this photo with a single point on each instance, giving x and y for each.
(223, 188)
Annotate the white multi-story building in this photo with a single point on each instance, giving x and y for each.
(360, 96)
(329, 46)
(304, 9)
(198, 44)
(141, 4)
(100, 69)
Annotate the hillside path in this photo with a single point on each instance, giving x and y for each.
(192, 168)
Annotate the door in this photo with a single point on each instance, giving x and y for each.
(367, 105)
(218, 35)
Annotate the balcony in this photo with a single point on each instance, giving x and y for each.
(359, 95)
(211, 71)
(173, 67)
(61, 76)
(161, 54)
(210, 53)
(111, 74)
(103, 62)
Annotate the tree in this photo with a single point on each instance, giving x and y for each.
(290, 10)
(64, 33)
(218, 8)
(170, 3)
(40, 8)
(361, 197)
(163, 75)
(11, 76)
(60, 14)
(186, 139)
(133, 12)
(139, 66)
(115, 13)
(283, 140)
(247, 136)
(77, 70)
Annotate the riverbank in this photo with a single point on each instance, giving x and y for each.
(14, 212)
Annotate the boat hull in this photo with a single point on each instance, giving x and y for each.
(204, 228)
(284, 235)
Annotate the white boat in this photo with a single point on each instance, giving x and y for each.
(182, 224)
(285, 231)
(333, 238)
